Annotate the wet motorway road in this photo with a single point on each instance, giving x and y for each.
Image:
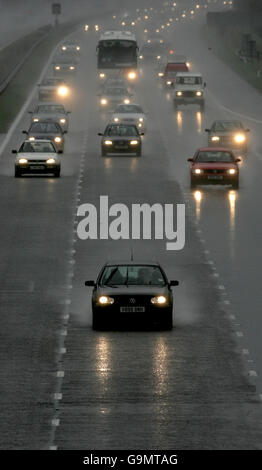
(64, 386)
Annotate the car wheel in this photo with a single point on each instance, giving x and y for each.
(235, 184)
(104, 153)
(96, 324)
(175, 105)
(192, 184)
(168, 324)
(17, 173)
(139, 153)
(57, 173)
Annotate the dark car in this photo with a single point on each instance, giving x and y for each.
(65, 65)
(121, 138)
(214, 166)
(47, 130)
(132, 293)
(229, 134)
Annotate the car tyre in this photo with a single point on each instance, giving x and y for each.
(139, 153)
(17, 173)
(57, 173)
(168, 324)
(104, 153)
(96, 324)
(192, 184)
(235, 184)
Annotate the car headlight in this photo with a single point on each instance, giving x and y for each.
(31, 138)
(116, 119)
(141, 119)
(141, 57)
(158, 57)
(63, 121)
(133, 142)
(168, 82)
(86, 27)
(62, 91)
(57, 139)
(188, 64)
(232, 171)
(108, 142)
(64, 48)
(57, 67)
(197, 171)
(199, 93)
(179, 93)
(78, 48)
(102, 75)
(160, 74)
(159, 300)
(239, 138)
(132, 75)
(126, 101)
(36, 119)
(105, 300)
(22, 161)
(103, 101)
(72, 67)
(215, 138)
(50, 161)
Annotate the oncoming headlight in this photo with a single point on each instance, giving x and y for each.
(159, 300)
(132, 75)
(141, 119)
(31, 138)
(72, 67)
(57, 67)
(134, 142)
(169, 82)
(36, 119)
(22, 161)
(63, 121)
(50, 161)
(116, 119)
(126, 101)
(215, 138)
(102, 75)
(103, 101)
(160, 74)
(197, 171)
(232, 171)
(57, 139)
(239, 138)
(62, 91)
(199, 93)
(105, 300)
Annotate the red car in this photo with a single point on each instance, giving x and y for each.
(171, 70)
(214, 166)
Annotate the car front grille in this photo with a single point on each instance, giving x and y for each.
(215, 172)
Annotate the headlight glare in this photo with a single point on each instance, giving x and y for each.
(199, 93)
(50, 161)
(103, 101)
(22, 161)
(159, 300)
(232, 171)
(108, 142)
(134, 142)
(63, 121)
(126, 101)
(239, 138)
(105, 300)
(57, 139)
(63, 91)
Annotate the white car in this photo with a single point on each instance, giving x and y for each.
(130, 114)
(38, 156)
(189, 89)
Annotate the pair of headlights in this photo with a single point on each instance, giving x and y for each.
(24, 161)
(238, 138)
(231, 171)
(110, 142)
(197, 93)
(159, 300)
(56, 139)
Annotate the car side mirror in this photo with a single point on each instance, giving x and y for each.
(14, 151)
(190, 159)
(68, 112)
(247, 130)
(207, 130)
(90, 283)
(60, 151)
(141, 133)
(100, 133)
(24, 132)
(30, 112)
(64, 132)
(174, 283)
(238, 160)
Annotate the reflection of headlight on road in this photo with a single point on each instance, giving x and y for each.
(63, 121)
(197, 171)
(22, 161)
(134, 142)
(132, 75)
(141, 119)
(239, 138)
(179, 93)
(57, 139)
(198, 196)
(108, 142)
(215, 138)
(126, 101)
(105, 300)
(62, 91)
(103, 101)
(50, 161)
(199, 93)
(232, 171)
(159, 300)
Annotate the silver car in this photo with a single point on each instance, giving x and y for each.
(51, 89)
(38, 156)
(54, 112)
(45, 130)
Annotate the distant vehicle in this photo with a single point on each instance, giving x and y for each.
(214, 166)
(71, 47)
(132, 293)
(112, 96)
(54, 112)
(48, 131)
(178, 64)
(64, 65)
(117, 50)
(153, 50)
(229, 134)
(39, 156)
(189, 88)
(51, 89)
(130, 114)
(121, 138)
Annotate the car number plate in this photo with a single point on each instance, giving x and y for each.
(121, 146)
(37, 167)
(132, 309)
(215, 177)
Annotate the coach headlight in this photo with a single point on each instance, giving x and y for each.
(132, 75)
(239, 138)
(159, 300)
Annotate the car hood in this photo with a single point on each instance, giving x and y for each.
(132, 290)
(216, 165)
(51, 116)
(37, 155)
(43, 136)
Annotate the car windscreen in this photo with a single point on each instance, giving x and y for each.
(171, 73)
(227, 126)
(43, 147)
(50, 108)
(116, 91)
(45, 127)
(51, 82)
(189, 80)
(132, 108)
(125, 131)
(132, 275)
(214, 156)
